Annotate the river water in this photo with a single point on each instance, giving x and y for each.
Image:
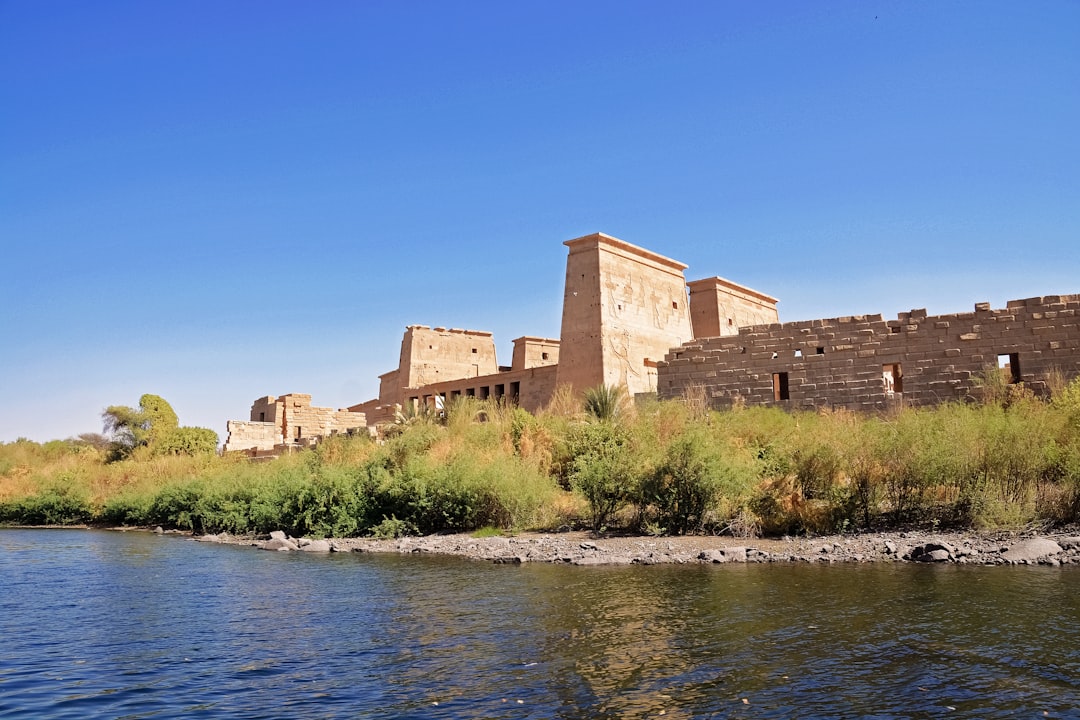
(134, 625)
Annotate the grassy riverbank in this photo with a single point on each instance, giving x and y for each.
(658, 468)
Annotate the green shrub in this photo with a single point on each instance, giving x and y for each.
(390, 528)
(686, 485)
(603, 470)
(177, 506)
(53, 507)
(130, 510)
(186, 441)
(605, 402)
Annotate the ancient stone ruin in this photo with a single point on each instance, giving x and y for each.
(289, 421)
(863, 362)
(630, 319)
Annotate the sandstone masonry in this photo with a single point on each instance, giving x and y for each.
(866, 363)
(277, 424)
(631, 319)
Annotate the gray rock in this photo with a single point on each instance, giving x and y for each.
(159, 530)
(207, 538)
(890, 547)
(279, 544)
(1069, 543)
(1031, 550)
(588, 546)
(932, 551)
(278, 535)
(316, 546)
(735, 554)
(713, 556)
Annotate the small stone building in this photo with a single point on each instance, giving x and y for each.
(279, 423)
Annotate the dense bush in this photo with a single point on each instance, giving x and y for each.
(187, 441)
(603, 469)
(1009, 461)
(685, 486)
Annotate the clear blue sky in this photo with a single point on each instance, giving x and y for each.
(215, 201)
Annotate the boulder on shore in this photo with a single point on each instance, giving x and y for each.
(1032, 550)
(933, 551)
(281, 544)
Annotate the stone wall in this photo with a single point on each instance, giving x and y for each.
(289, 419)
(720, 307)
(530, 389)
(254, 437)
(531, 352)
(866, 363)
(623, 308)
(435, 355)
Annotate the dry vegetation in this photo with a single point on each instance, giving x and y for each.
(660, 468)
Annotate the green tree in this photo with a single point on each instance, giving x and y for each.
(150, 425)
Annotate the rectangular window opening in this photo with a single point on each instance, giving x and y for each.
(798, 353)
(892, 378)
(543, 356)
(470, 392)
(674, 304)
(500, 390)
(298, 429)
(821, 351)
(262, 417)
(515, 391)
(780, 386)
(1009, 365)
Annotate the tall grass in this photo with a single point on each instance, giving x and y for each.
(1012, 460)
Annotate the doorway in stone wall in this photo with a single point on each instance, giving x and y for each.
(780, 387)
(1009, 366)
(892, 378)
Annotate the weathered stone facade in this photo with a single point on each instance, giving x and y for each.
(289, 420)
(630, 319)
(720, 307)
(866, 363)
(623, 308)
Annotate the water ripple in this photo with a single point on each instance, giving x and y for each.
(134, 625)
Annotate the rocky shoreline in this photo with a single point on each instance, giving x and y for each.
(580, 548)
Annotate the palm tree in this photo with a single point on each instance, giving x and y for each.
(605, 402)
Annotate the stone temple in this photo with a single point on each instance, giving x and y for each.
(631, 319)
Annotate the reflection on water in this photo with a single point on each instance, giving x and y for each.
(136, 625)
